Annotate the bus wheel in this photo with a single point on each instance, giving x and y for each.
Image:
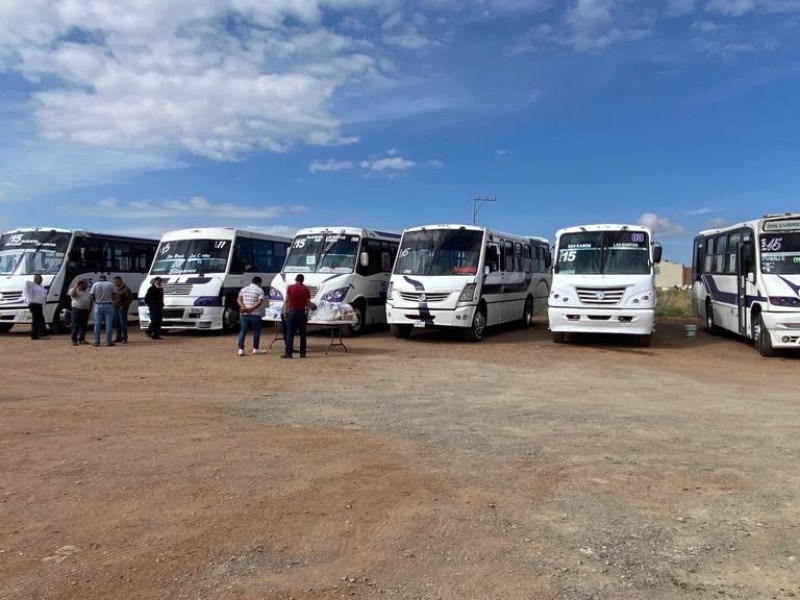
(645, 339)
(559, 337)
(527, 313)
(475, 332)
(5, 327)
(762, 338)
(230, 319)
(62, 320)
(400, 331)
(711, 327)
(356, 328)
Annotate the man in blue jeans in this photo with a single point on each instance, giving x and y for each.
(251, 311)
(297, 304)
(102, 295)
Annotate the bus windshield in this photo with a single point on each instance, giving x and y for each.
(619, 252)
(187, 257)
(440, 252)
(780, 253)
(323, 253)
(33, 252)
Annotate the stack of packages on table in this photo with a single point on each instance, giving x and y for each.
(333, 311)
(326, 311)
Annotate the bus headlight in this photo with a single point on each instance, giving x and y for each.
(468, 294)
(336, 295)
(275, 294)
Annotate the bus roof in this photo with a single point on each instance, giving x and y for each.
(476, 228)
(603, 227)
(223, 233)
(758, 224)
(78, 232)
(349, 230)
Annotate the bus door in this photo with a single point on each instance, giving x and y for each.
(744, 263)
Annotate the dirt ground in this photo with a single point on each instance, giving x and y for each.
(426, 468)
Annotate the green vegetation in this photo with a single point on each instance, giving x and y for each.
(674, 303)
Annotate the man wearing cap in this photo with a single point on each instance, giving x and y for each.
(102, 295)
(154, 298)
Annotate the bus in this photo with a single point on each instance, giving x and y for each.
(604, 282)
(62, 256)
(203, 270)
(467, 277)
(746, 279)
(342, 264)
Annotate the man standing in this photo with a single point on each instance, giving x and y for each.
(298, 303)
(122, 301)
(251, 311)
(34, 294)
(81, 305)
(154, 298)
(102, 295)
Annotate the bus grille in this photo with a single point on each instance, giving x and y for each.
(172, 313)
(10, 296)
(423, 297)
(177, 289)
(600, 296)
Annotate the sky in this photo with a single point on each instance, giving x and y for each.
(141, 116)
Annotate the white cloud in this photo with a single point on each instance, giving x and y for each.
(661, 226)
(329, 165)
(381, 165)
(192, 209)
(435, 164)
(700, 211)
(679, 8)
(738, 8)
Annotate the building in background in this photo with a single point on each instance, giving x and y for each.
(670, 275)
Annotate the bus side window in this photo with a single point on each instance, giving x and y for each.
(492, 258)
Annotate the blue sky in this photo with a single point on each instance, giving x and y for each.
(139, 117)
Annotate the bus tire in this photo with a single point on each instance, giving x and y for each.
(559, 337)
(763, 340)
(230, 319)
(474, 333)
(645, 340)
(401, 332)
(5, 327)
(711, 327)
(62, 320)
(527, 313)
(357, 328)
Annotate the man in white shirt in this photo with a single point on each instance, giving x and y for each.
(251, 310)
(34, 294)
(102, 295)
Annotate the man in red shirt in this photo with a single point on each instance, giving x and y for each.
(297, 304)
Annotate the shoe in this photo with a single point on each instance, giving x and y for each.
(124, 340)
(95, 344)
(257, 351)
(155, 337)
(117, 340)
(303, 355)
(241, 351)
(109, 344)
(44, 337)
(286, 356)
(74, 343)
(82, 342)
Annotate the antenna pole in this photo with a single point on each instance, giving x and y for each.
(476, 206)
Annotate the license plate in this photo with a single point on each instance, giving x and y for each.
(419, 324)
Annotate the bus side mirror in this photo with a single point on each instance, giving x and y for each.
(657, 251)
(555, 269)
(364, 259)
(747, 258)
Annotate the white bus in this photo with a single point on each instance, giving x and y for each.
(62, 256)
(468, 277)
(342, 264)
(203, 270)
(746, 279)
(604, 281)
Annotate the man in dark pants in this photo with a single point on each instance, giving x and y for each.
(154, 298)
(298, 303)
(35, 295)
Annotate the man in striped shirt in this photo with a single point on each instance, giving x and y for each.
(251, 310)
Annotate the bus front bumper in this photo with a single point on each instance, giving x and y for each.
(185, 317)
(783, 328)
(15, 315)
(595, 320)
(412, 315)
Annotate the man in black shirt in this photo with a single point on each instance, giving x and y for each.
(154, 298)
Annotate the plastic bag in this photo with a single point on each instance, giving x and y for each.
(333, 311)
